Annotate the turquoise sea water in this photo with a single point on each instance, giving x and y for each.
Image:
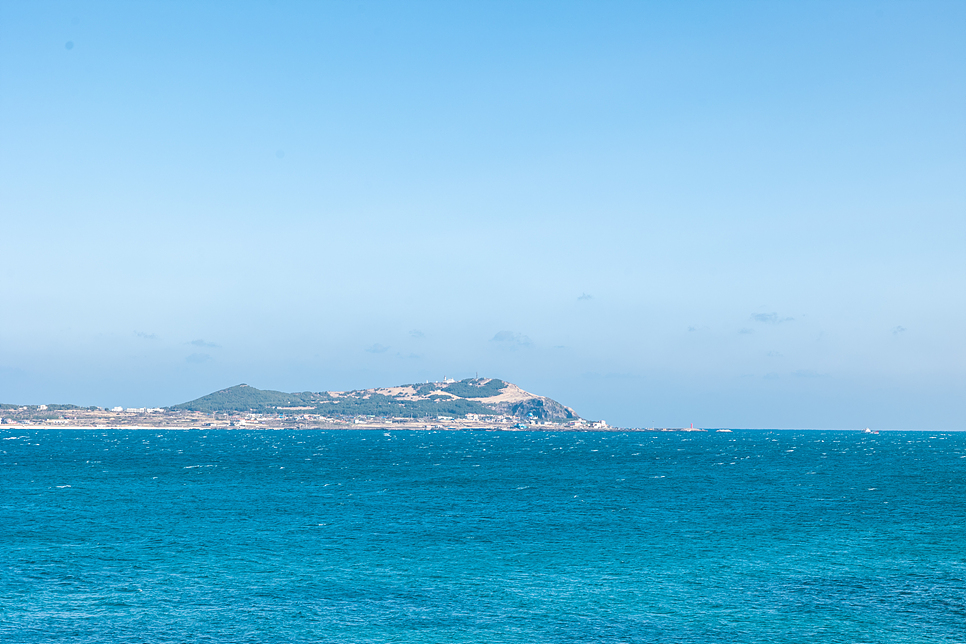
(363, 536)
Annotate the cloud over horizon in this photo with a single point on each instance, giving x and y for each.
(770, 318)
(511, 340)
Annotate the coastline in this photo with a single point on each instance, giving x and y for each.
(416, 427)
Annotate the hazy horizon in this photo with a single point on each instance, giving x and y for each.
(736, 215)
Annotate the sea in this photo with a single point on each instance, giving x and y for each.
(148, 536)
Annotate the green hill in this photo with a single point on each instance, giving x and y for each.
(481, 396)
(245, 398)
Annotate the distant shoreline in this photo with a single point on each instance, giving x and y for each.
(417, 427)
(489, 428)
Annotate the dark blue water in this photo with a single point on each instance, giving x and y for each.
(355, 536)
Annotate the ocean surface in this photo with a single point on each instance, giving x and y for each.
(372, 536)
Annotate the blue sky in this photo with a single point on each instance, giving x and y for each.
(732, 214)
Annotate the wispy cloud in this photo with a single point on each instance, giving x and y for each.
(203, 343)
(808, 373)
(898, 330)
(198, 358)
(585, 296)
(769, 318)
(417, 334)
(145, 336)
(377, 348)
(773, 354)
(745, 331)
(511, 339)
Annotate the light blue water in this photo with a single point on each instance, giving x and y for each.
(355, 536)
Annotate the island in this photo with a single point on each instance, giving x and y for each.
(469, 404)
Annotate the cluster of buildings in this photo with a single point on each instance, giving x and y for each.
(134, 416)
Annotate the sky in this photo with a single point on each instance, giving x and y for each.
(742, 214)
